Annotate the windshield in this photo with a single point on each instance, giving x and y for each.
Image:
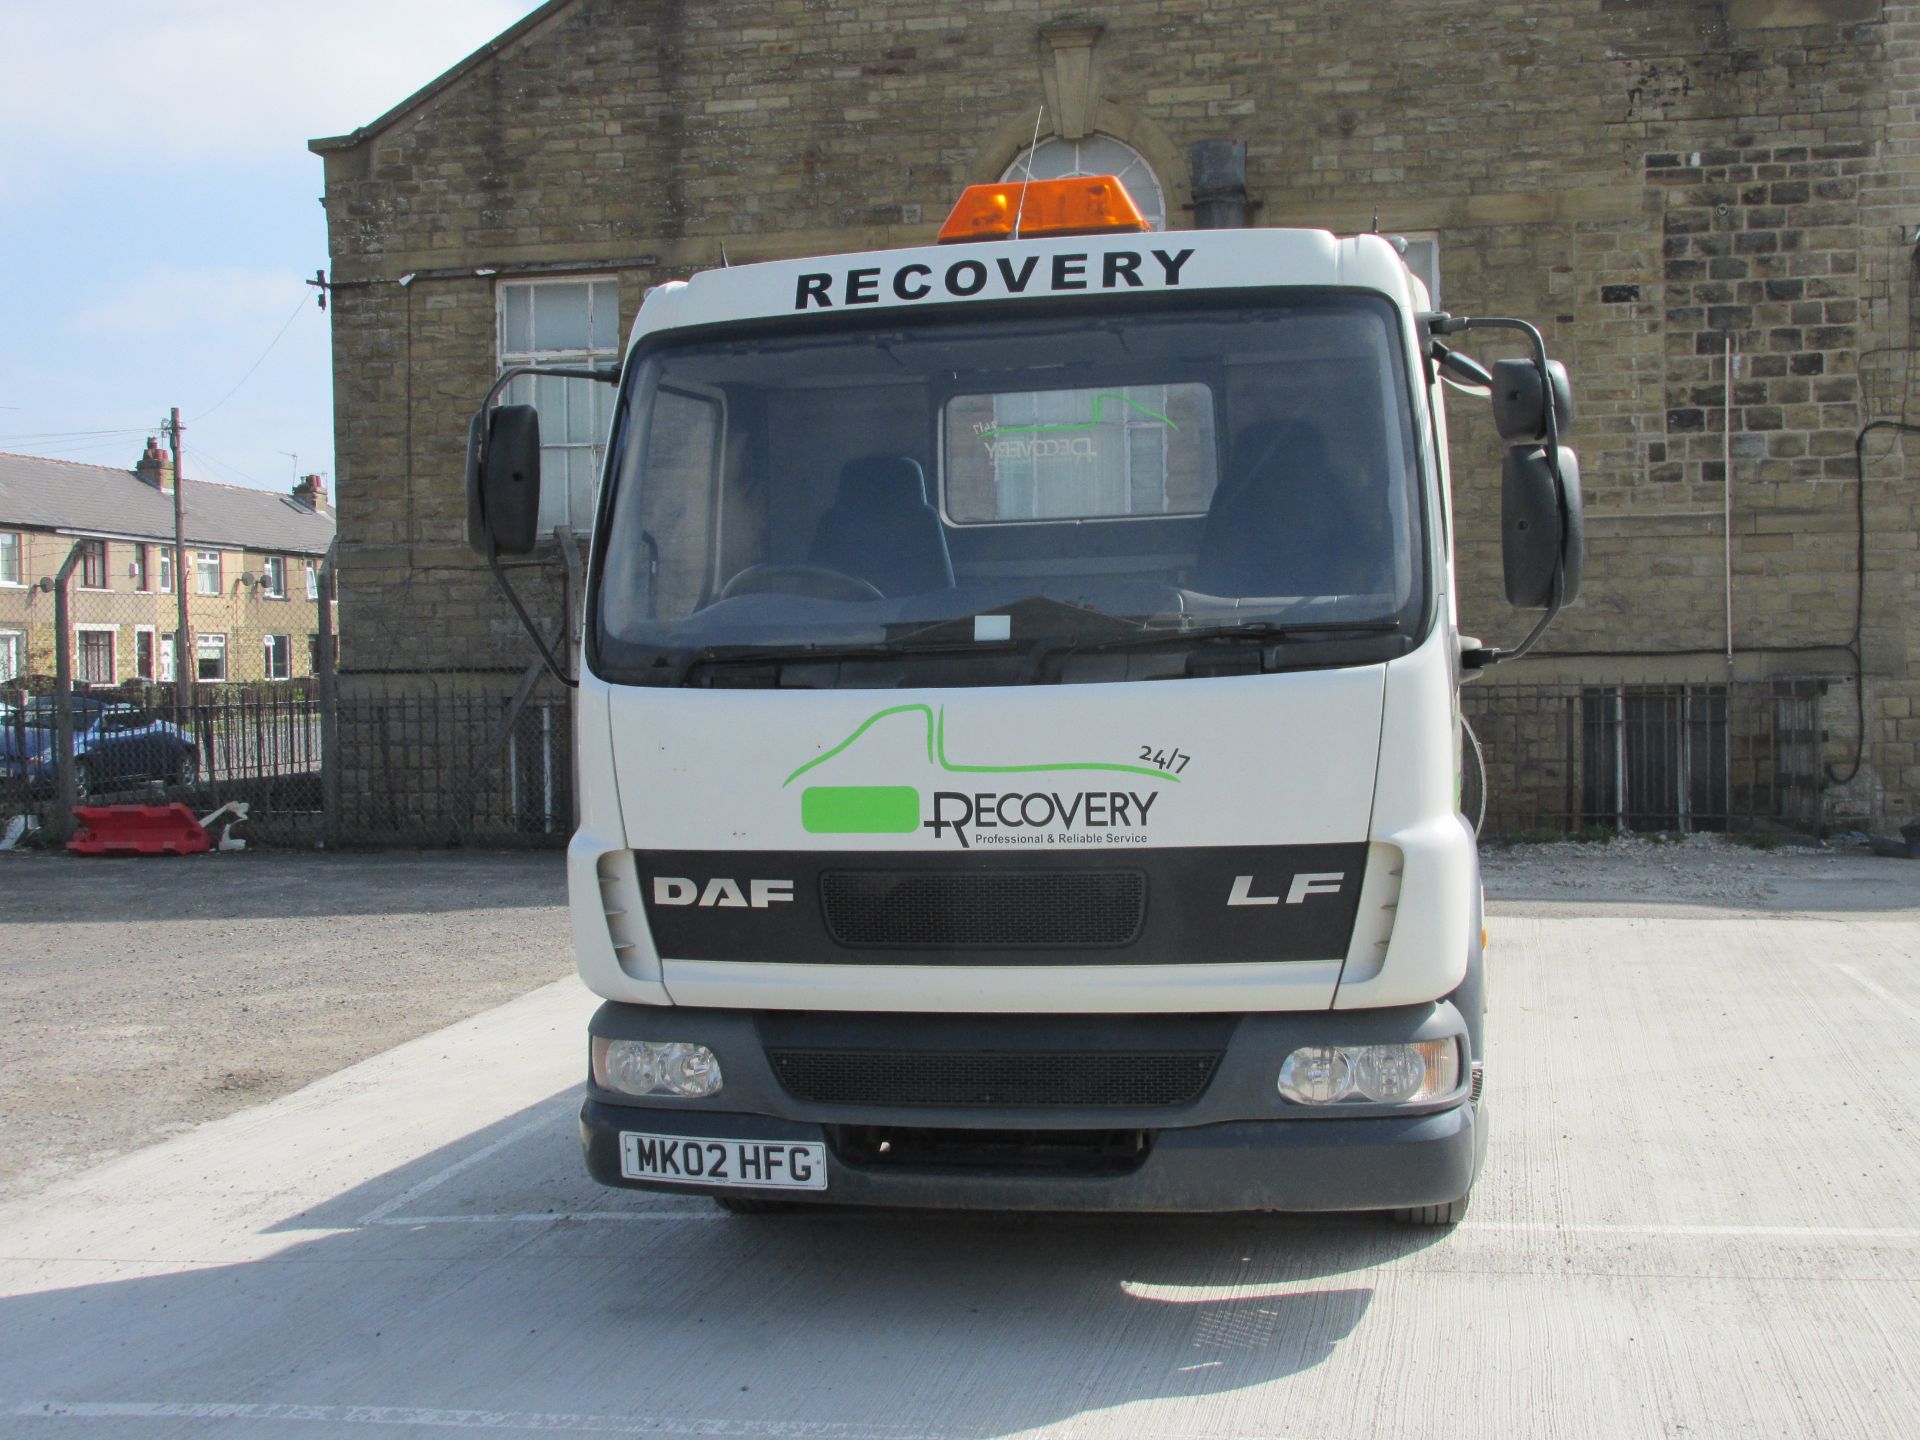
(969, 488)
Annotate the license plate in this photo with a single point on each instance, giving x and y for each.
(695, 1160)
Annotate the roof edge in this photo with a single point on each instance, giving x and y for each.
(328, 144)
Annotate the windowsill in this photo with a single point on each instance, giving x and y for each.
(12, 585)
(96, 589)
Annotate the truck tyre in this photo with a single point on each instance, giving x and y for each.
(1451, 1213)
(749, 1205)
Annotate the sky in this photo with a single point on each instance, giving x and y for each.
(160, 215)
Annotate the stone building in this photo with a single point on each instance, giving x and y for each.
(253, 573)
(1710, 206)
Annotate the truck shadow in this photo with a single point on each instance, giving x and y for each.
(510, 1285)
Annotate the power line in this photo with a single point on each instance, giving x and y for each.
(38, 436)
(295, 315)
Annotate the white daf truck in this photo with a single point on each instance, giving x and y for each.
(1018, 729)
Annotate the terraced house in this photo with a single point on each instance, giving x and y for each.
(252, 577)
(1714, 204)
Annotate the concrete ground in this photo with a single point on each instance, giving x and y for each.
(1700, 1216)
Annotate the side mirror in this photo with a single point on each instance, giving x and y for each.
(1542, 527)
(503, 480)
(1519, 402)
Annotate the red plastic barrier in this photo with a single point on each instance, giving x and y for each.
(138, 830)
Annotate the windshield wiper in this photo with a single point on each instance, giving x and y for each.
(958, 636)
(1266, 632)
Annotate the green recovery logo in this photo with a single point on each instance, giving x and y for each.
(1097, 418)
(897, 809)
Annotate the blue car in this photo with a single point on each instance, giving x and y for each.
(115, 747)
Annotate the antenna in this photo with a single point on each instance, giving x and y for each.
(1021, 208)
(293, 455)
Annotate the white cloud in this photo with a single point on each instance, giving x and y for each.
(147, 84)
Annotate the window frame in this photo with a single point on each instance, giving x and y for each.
(16, 641)
(273, 568)
(80, 634)
(506, 359)
(200, 558)
(90, 548)
(19, 549)
(200, 640)
(1016, 170)
(286, 657)
(313, 580)
(165, 576)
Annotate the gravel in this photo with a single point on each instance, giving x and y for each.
(1701, 869)
(141, 997)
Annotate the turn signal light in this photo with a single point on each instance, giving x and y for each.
(1083, 205)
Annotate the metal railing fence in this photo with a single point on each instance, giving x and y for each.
(1639, 757)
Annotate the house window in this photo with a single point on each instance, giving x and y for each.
(210, 656)
(166, 571)
(166, 658)
(563, 322)
(11, 564)
(93, 564)
(93, 655)
(144, 653)
(279, 657)
(313, 580)
(273, 577)
(13, 655)
(1095, 155)
(142, 568)
(206, 572)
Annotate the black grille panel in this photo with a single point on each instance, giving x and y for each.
(877, 1077)
(962, 911)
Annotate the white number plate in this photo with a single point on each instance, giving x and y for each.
(755, 1164)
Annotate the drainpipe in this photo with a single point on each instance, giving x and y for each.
(1726, 492)
(1219, 184)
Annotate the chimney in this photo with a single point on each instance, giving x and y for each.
(311, 492)
(155, 468)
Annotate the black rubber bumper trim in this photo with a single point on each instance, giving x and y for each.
(1300, 1165)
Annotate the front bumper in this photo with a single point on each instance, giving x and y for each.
(1236, 1147)
(1378, 1163)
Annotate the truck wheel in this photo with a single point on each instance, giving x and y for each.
(747, 1205)
(1451, 1213)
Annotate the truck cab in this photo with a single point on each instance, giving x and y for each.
(1018, 727)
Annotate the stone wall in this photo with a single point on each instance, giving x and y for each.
(1652, 184)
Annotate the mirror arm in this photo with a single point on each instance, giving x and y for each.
(607, 374)
(526, 621)
(1481, 657)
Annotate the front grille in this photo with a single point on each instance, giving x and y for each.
(991, 1152)
(961, 911)
(875, 1077)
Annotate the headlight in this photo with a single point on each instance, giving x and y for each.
(655, 1067)
(1371, 1074)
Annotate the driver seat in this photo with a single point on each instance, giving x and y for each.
(881, 528)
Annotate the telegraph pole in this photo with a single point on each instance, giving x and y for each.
(183, 675)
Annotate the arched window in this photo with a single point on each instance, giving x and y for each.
(1096, 155)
